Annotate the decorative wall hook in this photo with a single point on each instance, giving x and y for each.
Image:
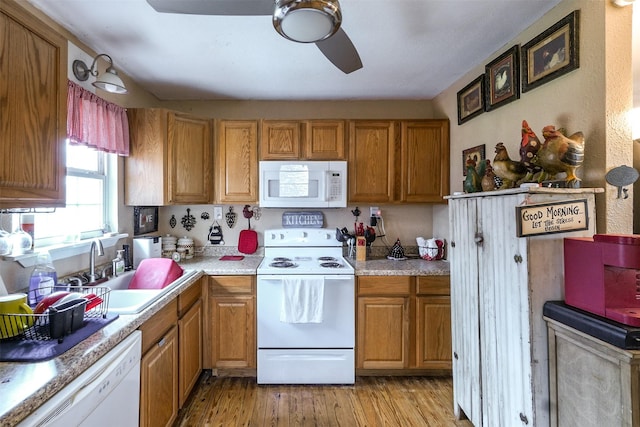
(621, 177)
(188, 221)
(230, 217)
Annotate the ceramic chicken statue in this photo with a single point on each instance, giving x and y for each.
(472, 181)
(488, 181)
(510, 171)
(529, 146)
(559, 153)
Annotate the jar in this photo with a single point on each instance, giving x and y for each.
(187, 245)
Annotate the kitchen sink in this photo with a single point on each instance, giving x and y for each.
(132, 301)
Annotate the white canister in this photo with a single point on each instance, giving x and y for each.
(187, 245)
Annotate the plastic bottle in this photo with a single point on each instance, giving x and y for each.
(118, 263)
(43, 278)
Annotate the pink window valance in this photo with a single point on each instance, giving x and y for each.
(96, 123)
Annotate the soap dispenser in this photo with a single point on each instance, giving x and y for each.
(118, 263)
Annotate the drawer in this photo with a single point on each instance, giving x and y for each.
(231, 285)
(384, 285)
(155, 328)
(188, 297)
(433, 285)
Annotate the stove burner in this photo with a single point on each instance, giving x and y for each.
(331, 265)
(281, 258)
(282, 264)
(327, 258)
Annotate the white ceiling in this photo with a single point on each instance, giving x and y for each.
(410, 49)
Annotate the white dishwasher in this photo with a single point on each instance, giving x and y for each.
(105, 395)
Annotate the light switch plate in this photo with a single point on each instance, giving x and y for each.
(217, 212)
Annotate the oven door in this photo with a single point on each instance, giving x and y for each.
(337, 329)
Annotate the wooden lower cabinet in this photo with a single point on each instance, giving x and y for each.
(159, 382)
(403, 323)
(171, 357)
(232, 323)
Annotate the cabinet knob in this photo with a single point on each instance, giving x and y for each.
(162, 342)
(479, 238)
(517, 258)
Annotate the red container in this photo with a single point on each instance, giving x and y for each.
(602, 276)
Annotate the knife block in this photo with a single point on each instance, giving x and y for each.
(361, 248)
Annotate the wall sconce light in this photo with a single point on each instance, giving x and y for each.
(108, 81)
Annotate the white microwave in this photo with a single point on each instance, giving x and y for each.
(303, 184)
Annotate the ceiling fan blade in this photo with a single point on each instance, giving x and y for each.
(214, 7)
(341, 52)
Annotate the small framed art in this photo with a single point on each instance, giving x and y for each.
(552, 53)
(475, 153)
(471, 100)
(503, 79)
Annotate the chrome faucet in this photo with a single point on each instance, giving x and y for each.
(92, 259)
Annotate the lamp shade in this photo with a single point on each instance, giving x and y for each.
(110, 82)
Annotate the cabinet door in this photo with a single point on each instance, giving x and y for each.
(233, 337)
(237, 162)
(383, 333)
(425, 161)
(372, 152)
(505, 340)
(433, 332)
(190, 336)
(280, 140)
(465, 323)
(189, 159)
(145, 169)
(324, 140)
(159, 383)
(33, 99)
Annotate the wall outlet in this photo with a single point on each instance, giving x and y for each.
(217, 212)
(375, 212)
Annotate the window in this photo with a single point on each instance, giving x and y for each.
(86, 213)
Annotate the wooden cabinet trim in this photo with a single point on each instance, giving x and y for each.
(155, 327)
(433, 285)
(384, 285)
(190, 349)
(189, 296)
(229, 285)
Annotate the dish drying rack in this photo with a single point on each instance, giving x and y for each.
(57, 323)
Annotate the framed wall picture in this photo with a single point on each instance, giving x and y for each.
(503, 79)
(552, 53)
(475, 153)
(471, 100)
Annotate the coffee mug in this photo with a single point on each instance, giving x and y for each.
(15, 315)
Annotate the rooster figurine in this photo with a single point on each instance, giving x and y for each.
(488, 181)
(529, 146)
(509, 170)
(472, 181)
(559, 153)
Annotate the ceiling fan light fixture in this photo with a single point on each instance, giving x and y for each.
(307, 21)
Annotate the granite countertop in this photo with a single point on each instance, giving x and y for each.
(383, 266)
(26, 386)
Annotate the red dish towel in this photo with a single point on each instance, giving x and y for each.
(232, 258)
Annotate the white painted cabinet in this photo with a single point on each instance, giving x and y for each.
(499, 283)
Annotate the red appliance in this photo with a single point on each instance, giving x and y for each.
(602, 276)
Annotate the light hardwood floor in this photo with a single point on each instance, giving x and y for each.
(372, 401)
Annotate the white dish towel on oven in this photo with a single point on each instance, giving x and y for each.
(302, 300)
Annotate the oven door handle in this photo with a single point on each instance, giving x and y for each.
(327, 277)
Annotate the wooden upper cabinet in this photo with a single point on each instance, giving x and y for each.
(237, 161)
(324, 140)
(170, 160)
(371, 163)
(424, 160)
(302, 140)
(280, 140)
(33, 105)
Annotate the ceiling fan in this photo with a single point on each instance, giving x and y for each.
(304, 21)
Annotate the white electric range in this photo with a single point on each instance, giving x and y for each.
(305, 350)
